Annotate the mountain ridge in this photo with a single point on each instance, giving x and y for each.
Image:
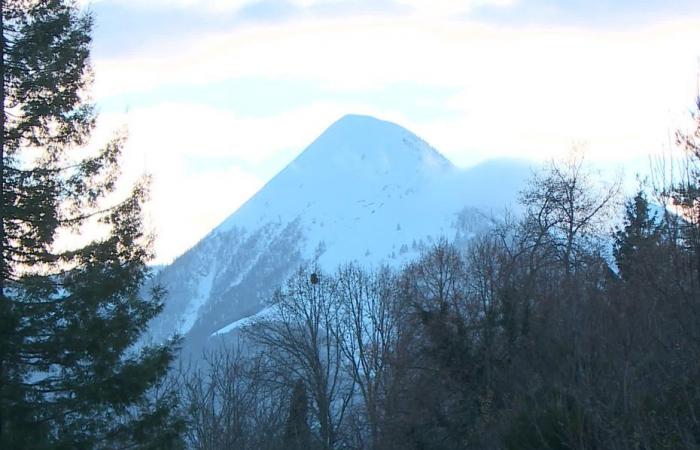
(365, 190)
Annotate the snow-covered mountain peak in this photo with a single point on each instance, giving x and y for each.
(365, 190)
(363, 142)
(358, 159)
(366, 140)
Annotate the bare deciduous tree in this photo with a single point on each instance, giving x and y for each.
(303, 339)
(564, 206)
(233, 403)
(369, 317)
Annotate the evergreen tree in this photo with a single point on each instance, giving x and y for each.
(70, 374)
(640, 235)
(296, 433)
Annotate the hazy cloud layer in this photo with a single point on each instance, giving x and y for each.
(218, 96)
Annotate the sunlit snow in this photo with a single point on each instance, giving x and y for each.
(366, 190)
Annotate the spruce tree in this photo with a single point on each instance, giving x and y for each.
(71, 375)
(637, 241)
(297, 435)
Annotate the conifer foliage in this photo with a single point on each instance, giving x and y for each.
(297, 435)
(70, 376)
(639, 238)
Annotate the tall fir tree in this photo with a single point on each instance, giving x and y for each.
(297, 435)
(637, 241)
(70, 374)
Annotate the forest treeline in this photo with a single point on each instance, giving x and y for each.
(548, 332)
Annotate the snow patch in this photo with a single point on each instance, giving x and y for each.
(266, 313)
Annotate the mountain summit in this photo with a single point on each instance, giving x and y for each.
(366, 190)
(354, 141)
(354, 160)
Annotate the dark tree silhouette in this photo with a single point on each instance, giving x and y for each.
(70, 376)
(297, 435)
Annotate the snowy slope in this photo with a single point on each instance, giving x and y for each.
(365, 190)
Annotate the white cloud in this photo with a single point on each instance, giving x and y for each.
(369, 53)
(185, 205)
(198, 131)
(451, 7)
(433, 7)
(206, 162)
(204, 5)
(520, 92)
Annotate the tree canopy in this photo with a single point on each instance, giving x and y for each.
(71, 375)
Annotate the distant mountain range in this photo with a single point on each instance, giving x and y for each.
(366, 190)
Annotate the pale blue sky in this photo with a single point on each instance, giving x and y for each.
(219, 95)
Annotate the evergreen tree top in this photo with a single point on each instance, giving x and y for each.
(71, 375)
